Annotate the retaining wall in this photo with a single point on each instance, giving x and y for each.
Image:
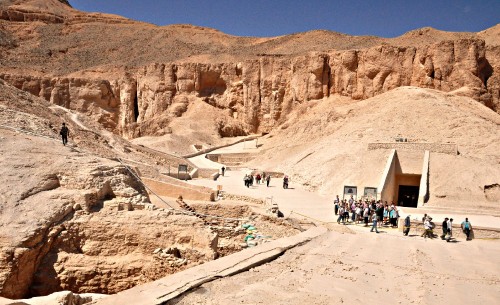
(447, 148)
(176, 188)
(205, 151)
(230, 159)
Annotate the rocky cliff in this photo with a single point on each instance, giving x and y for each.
(136, 84)
(260, 93)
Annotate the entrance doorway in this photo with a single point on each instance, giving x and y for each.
(408, 196)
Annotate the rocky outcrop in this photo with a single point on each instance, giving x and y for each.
(491, 76)
(52, 12)
(260, 93)
(110, 251)
(44, 185)
(58, 298)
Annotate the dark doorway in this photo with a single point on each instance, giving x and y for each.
(408, 196)
(136, 108)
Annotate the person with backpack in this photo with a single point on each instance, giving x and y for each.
(64, 133)
(407, 226)
(466, 227)
(285, 182)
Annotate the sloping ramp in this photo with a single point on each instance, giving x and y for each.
(167, 288)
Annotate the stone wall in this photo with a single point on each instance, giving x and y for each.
(230, 159)
(176, 188)
(432, 147)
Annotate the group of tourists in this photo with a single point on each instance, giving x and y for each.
(382, 214)
(446, 226)
(250, 179)
(358, 211)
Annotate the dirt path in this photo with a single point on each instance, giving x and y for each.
(295, 199)
(365, 268)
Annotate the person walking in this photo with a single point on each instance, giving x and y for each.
(428, 228)
(423, 223)
(248, 180)
(449, 226)
(407, 225)
(374, 224)
(444, 226)
(466, 227)
(268, 179)
(64, 134)
(223, 170)
(285, 182)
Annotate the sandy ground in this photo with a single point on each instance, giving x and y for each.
(294, 199)
(299, 202)
(358, 268)
(365, 268)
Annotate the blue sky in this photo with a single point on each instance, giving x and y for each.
(263, 18)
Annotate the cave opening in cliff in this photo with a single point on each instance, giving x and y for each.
(136, 108)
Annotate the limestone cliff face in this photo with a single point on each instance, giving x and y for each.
(260, 93)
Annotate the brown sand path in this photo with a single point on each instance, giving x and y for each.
(366, 269)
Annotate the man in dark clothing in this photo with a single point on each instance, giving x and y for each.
(444, 227)
(380, 214)
(64, 133)
(223, 169)
(407, 226)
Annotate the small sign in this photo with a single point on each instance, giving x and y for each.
(350, 190)
(370, 193)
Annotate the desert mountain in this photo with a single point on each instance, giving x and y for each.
(320, 99)
(327, 143)
(137, 78)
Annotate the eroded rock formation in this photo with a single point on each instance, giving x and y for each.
(136, 79)
(260, 93)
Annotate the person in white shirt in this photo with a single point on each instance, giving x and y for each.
(428, 228)
(366, 215)
(449, 227)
